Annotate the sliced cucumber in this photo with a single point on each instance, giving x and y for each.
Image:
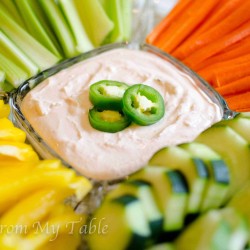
(233, 149)
(194, 170)
(170, 192)
(162, 246)
(219, 180)
(224, 229)
(119, 224)
(143, 191)
(241, 125)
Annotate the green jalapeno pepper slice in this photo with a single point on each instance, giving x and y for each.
(143, 104)
(107, 94)
(111, 121)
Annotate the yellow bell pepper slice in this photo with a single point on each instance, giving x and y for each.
(17, 151)
(10, 133)
(34, 207)
(4, 109)
(49, 232)
(13, 189)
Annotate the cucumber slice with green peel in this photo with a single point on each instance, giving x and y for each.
(37, 27)
(194, 170)
(143, 191)
(170, 192)
(16, 55)
(30, 46)
(224, 229)
(240, 202)
(219, 179)
(240, 124)
(162, 246)
(234, 150)
(121, 223)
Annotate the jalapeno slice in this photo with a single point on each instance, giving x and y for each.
(111, 121)
(143, 104)
(107, 94)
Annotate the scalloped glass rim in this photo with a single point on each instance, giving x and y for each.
(42, 148)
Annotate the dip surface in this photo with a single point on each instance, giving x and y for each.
(58, 111)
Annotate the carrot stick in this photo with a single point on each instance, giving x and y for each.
(235, 87)
(236, 18)
(239, 102)
(183, 26)
(234, 51)
(180, 7)
(230, 72)
(215, 47)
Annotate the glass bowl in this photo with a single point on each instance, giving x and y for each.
(41, 146)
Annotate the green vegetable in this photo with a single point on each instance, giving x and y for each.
(107, 94)
(83, 42)
(36, 24)
(13, 73)
(108, 120)
(11, 51)
(143, 104)
(60, 27)
(35, 51)
(96, 22)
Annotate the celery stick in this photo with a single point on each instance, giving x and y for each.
(114, 11)
(95, 19)
(6, 87)
(34, 25)
(13, 11)
(126, 7)
(60, 27)
(2, 76)
(15, 54)
(37, 53)
(83, 41)
(13, 73)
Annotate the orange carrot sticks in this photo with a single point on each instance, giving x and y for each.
(183, 26)
(227, 25)
(179, 8)
(239, 49)
(236, 87)
(218, 45)
(218, 77)
(239, 102)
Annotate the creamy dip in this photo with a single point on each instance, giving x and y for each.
(58, 111)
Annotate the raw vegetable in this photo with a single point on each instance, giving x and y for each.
(143, 104)
(211, 42)
(32, 211)
(110, 121)
(37, 25)
(107, 94)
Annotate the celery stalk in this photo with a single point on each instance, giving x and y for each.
(37, 52)
(15, 54)
(13, 73)
(114, 11)
(13, 11)
(83, 41)
(2, 76)
(60, 27)
(126, 6)
(95, 20)
(6, 87)
(35, 25)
